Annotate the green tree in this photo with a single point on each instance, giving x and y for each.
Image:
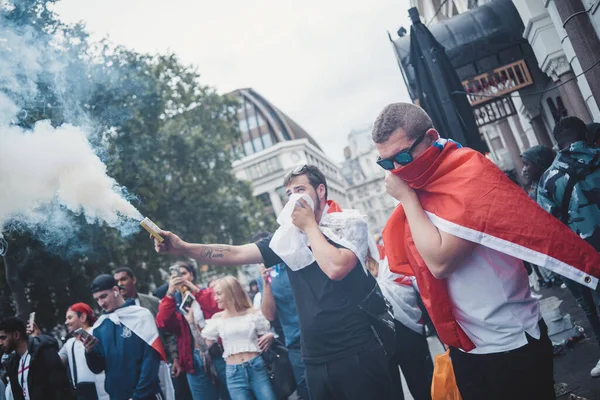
(162, 134)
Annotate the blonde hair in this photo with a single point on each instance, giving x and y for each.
(233, 291)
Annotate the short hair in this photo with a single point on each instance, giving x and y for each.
(190, 266)
(312, 172)
(126, 270)
(570, 129)
(232, 289)
(253, 282)
(83, 309)
(12, 325)
(411, 118)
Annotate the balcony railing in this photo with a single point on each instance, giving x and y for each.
(501, 81)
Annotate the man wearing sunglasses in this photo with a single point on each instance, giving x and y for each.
(463, 228)
(343, 359)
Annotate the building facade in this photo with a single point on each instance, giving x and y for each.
(550, 80)
(556, 55)
(271, 145)
(518, 51)
(366, 180)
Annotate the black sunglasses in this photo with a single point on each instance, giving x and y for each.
(404, 157)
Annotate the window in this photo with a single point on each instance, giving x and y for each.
(267, 140)
(248, 148)
(265, 199)
(257, 144)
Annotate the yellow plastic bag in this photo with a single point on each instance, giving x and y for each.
(443, 386)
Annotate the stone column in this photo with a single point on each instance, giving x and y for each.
(521, 131)
(539, 127)
(511, 145)
(276, 202)
(584, 40)
(561, 73)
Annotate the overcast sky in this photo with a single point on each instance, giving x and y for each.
(328, 64)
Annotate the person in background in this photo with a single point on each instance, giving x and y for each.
(127, 283)
(182, 389)
(245, 333)
(412, 350)
(253, 286)
(34, 369)
(569, 190)
(86, 384)
(338, 343)
(125, 345)
(278, 304)
(536, 160)
(205, 371)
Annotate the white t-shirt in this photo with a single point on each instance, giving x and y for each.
(257, 302)
(23, 374)
(492, 301)
(84, 374)
(75, 347)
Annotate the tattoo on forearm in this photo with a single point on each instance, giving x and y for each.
(214, 251)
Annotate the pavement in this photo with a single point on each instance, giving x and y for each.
(574, 365)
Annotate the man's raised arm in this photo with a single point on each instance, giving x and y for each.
(214, 254)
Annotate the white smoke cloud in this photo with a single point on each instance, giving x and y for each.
(48, 174)
(48, 165)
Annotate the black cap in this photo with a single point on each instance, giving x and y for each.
(103, 282)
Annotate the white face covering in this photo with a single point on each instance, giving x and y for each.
(289, 242)
(348, 229)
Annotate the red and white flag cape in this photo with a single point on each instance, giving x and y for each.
(141, 323)
(466, 195)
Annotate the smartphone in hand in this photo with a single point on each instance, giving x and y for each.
(175, 271)
(83, 333)
(186, 304)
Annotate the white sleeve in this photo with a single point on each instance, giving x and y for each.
(257, 302)
(63, 353)
(261, 324)
(198, 315)
(211, 330)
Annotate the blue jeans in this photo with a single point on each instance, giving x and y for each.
(201, 385)
(295, 357)
(249, 378)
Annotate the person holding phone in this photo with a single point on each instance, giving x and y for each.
(87, 385)
(183, 312)
(125, 345)
(245, 333)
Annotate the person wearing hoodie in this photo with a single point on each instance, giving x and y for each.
(536, 160)
(125, 345)
(570, 190)
(34, 369)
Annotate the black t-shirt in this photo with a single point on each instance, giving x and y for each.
(331, 324)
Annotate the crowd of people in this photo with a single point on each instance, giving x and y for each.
(348, 311)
